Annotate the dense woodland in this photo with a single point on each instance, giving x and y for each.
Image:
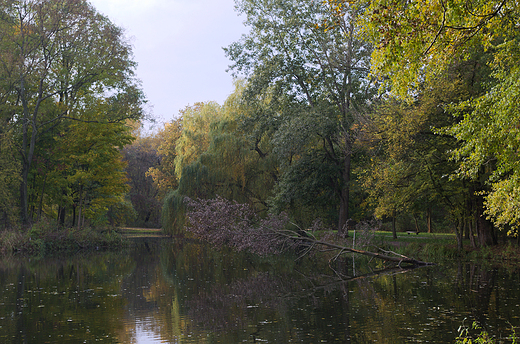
(343, 111)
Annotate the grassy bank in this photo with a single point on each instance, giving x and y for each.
(45, 238)
(133, 232)
(436, 247)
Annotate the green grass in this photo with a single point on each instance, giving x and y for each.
(133, 232)
(421, 237)
(432, 247)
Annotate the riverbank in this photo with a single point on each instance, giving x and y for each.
(437, 247)
(43, 238)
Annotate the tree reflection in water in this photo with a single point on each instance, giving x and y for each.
(183, 292)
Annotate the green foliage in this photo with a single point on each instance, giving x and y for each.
(9, 176)
(67, 81)
(483, 337)
(215, 155)
(163, 174)
(173, 213)
(143, 196)
(196, 122)
(122, 213)
(407, 164)
(417, 42)
(489, 133)
(307, 77)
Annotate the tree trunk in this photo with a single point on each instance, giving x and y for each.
(485, 231)
(24, 204)
(61, 216)
(40, 205)
(429, 219)
(344, 198)
(416, 223)
(397, 258)
(80, 206)
(467, 227)
(459, 229)
(394, 230)
(27, 152)
(472, 233)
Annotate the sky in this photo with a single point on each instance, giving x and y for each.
(178, 47)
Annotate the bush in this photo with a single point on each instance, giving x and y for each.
(45, 238)
(9, 240)
(465, 337)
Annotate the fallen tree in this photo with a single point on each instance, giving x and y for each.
(227, 223)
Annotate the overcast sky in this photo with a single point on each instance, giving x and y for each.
(178, 46)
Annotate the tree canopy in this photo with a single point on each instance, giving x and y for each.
(313, 68)
(343, 110)
(416, 42)
(66, 71)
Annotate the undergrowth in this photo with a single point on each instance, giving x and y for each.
(466, 336)
(44, 238)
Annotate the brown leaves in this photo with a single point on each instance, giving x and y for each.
(228, 223)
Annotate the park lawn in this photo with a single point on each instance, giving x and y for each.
(135, 232)
(424, 238)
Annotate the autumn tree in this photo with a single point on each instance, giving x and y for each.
(409, 164)
(60, 57)
(141, 156)
(163, 172)
(308, 58)
(188, 147)
(416, 42)
(217, 155)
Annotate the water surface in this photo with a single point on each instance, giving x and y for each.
(161, 291)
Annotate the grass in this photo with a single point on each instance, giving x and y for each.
(432, 247)
(133, 232)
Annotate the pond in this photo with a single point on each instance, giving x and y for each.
(159, 291)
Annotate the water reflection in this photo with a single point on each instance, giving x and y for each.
(183, 292)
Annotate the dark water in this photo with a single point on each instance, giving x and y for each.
(164, 292)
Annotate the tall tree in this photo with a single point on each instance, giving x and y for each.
(57, 57)
(163, 172)
(307, 54)
(141, 156)
(216, 157)
(417, 41)
(9, 175)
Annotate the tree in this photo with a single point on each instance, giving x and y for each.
(489, 134)
(141, 156)
(308, 63)
(225, 223)
(216, 156)
(416, 42)
(196, 122)
(9, 175)
(163, 173)
(89, 174)
(410, 158)
(59, 56)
